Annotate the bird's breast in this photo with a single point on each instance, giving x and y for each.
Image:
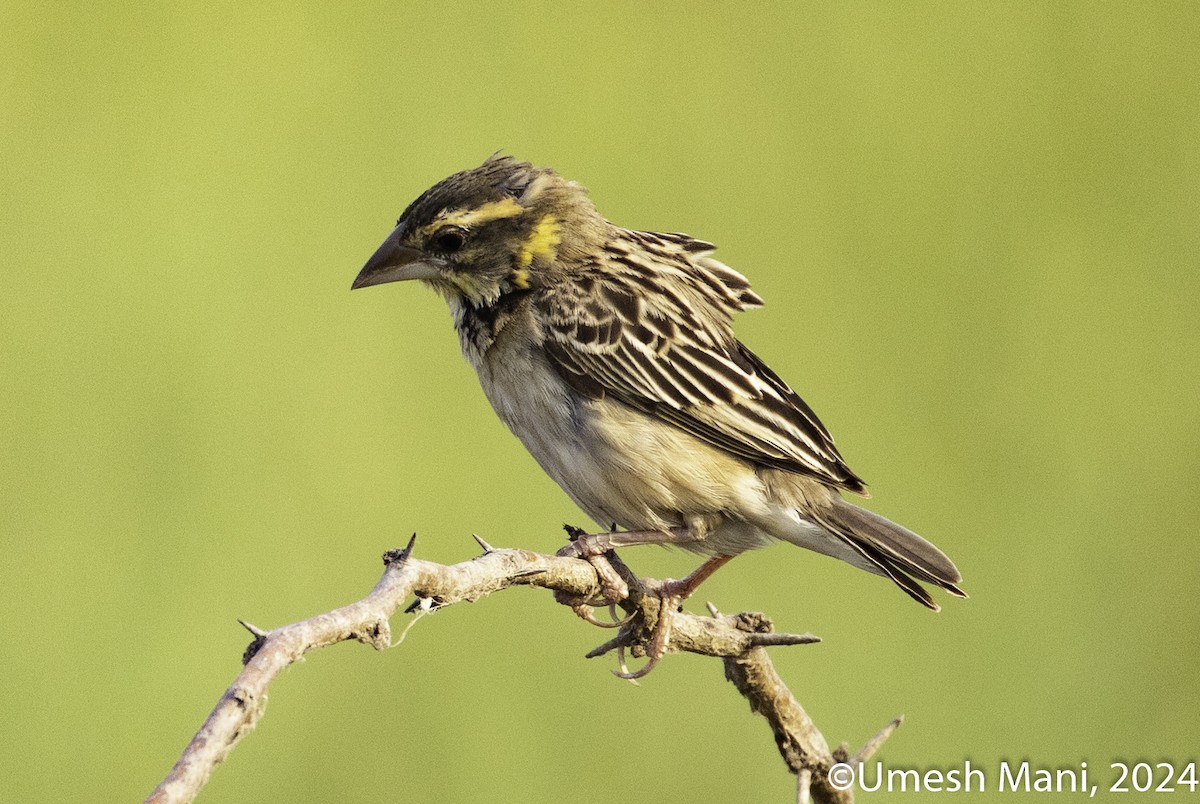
(620, 465)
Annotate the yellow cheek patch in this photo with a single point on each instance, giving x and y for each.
(468, 285)
(543, 242)
(466, 218)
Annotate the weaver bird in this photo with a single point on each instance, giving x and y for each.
(610, 354)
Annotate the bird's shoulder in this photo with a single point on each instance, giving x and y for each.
(657, 287)
(649, 321)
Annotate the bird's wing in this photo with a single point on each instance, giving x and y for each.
(652, 329)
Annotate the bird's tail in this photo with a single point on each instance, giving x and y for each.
(893, 551)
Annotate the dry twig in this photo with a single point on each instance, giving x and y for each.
(739, 640)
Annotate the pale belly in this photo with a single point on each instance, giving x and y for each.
(623, 467)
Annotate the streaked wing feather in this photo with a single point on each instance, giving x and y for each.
(653, 330)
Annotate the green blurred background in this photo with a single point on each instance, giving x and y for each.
(977, 228)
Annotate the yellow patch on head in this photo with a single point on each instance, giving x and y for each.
(469, 285)
(466, 218)
(542, 242)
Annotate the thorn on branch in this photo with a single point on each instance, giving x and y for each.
(487, 548)
(875, 742)
(770, 640)
(254, 629)
(399, 555)
(260, 639)
(731, 637)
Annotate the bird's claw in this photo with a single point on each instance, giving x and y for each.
(597, 550)
(669, 600)
(670, 594)
(613, 590)
(585, 613)
(611, 583)
(593, 550)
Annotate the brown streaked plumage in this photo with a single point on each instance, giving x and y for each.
(610, 353)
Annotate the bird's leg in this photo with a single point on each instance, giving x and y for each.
(671, 594)
(593, 544)
(684, 589)
(595, 549)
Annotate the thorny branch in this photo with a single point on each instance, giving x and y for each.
(740, 640)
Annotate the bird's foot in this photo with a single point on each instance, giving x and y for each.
(614, 589)
(616, 582)
(585, 612)
(670, 594)
(655, 648)
(595, 550)
(598, 550)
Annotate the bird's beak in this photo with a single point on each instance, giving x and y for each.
(393, 262)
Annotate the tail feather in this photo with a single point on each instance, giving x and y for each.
(895, 550)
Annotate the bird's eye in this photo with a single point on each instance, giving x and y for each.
(449, 240)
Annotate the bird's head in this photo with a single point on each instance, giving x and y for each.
(479, 234)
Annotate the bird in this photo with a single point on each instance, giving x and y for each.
(610, 354)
